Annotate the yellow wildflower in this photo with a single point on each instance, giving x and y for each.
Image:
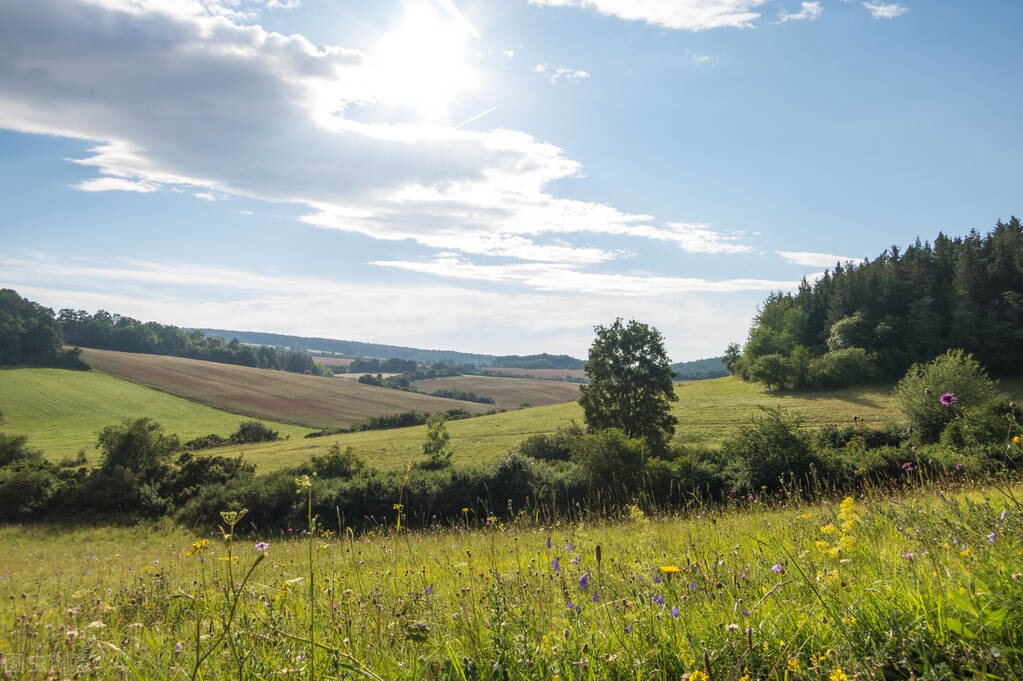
(838, 675)
(698, 676)
(670, 569)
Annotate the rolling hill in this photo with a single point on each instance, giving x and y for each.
(312, 401)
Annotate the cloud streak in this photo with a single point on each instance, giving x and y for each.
(686, 15)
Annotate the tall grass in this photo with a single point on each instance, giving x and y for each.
(925, 586)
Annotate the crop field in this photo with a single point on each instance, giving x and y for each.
(63, 411)
(547, 374)
(919, 585)
(313, 401)
(508, 393)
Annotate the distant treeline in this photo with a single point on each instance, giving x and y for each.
(29, 334)
(873, 320)
(541, 361)
(346, 348)
(700, 369)
(108, 331)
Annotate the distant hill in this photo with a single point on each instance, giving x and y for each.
(700, 369)
(348, 348)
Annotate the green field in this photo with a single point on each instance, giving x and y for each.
(63, 411)
(923, 585)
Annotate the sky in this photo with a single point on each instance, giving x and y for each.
(491, 176)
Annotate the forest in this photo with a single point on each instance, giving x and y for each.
(871, 321)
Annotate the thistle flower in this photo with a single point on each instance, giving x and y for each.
(948, 399)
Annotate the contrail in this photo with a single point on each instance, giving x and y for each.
(452, 11)
(481, 114)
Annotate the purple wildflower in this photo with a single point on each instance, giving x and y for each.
(178, 647)
(570, 546)
(674, 611)
(657, 579)
(575, 560)
(909, 555)
(556, 565)
(596, 597)
(948, 399)
(262, 546)
(959, 466)
(908, 466)
(991, 537)
(628, 628)
(779, 568)
(429, 590)
(658, 599)
(584, 581)
(548, 542)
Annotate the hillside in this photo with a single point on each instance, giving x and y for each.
(63, 411)
(313, 401)
(508, 393)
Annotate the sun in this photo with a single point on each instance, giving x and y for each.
(423, 64)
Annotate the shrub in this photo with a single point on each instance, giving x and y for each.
(253, 431)
(610, 459)
(955, 374)
(767, 452)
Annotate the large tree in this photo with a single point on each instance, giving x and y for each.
(630, 384)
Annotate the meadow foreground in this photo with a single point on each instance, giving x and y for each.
(926, 586)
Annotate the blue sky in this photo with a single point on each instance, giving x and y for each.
(493, 176)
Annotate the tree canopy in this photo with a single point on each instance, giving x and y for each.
(630, 384)
(875, 319)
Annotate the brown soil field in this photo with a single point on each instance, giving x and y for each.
(508, 393)
(313, 401)
(333, 361)
(550, 374)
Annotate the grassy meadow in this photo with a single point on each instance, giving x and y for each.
(923, 585)
(63, 411)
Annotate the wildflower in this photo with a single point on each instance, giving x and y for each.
(178, 647)
(628, 628)
(908, 466)
(778, 568)
(674, 611)
(838, 675)
(948, 399)
(575, 560)
(596, 597)
(657, 579)
(548, 542)
(556, 565)
(429, 590)
(584, 581)
(698, 676)
(959, 466)
(670, 570)
(198, 547)
(1016, 439)
(262, 546)
(909, 555)
(658, 599)
(991, 537)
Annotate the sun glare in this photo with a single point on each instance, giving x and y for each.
(422, 65)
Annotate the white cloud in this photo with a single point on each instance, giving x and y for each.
(566, 278)
(813, 259)
(700, 238)
(689, 15)
(807, 11)
(168, 91)
(557, 73)
(882, 10)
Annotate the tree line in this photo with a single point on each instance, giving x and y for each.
(109, 331)
(873, 320)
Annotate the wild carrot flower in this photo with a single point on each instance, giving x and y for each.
(948, 399)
